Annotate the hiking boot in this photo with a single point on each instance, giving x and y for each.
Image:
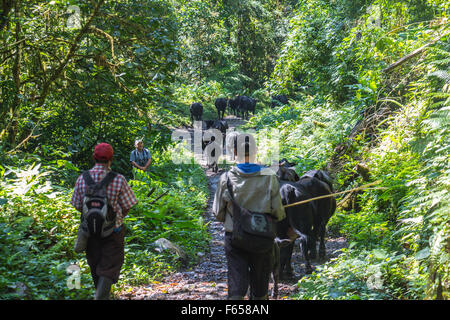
(103, 288)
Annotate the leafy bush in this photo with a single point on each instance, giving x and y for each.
(365, 275)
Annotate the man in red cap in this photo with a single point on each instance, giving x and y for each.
(105, 255)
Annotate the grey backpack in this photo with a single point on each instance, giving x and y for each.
(98, 217)
(252, 231)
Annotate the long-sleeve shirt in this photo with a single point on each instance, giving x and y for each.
(257, 191)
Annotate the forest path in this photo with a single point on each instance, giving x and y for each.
(208, 279)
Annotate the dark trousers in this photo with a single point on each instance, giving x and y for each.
(245, 268)
(105, 256)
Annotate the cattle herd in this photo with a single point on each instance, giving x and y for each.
(239, 106)
(305, 222)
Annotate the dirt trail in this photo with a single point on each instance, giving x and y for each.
(208, 279)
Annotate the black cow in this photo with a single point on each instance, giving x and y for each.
(233, 104)
(277, 244)
(307, 221)
(279, 100)
(221, 105)
(319, 184)
(246, 105)
(299, 222)
(196, 111)
(220, 125)
(285, 162)
(286, 171)
(242, 105)
(321, 175)
(211, 162)
(207, 124)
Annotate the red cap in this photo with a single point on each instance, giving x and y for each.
(103, 151)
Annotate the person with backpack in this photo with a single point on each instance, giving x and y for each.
(248, 202)
(140, 157)
(104, 198)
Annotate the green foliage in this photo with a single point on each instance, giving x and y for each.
(37, 236)
(232, 42)
(396, 124)
(425, 209)
(79, 86)
(365, 275)
(308, 60)
(309, 129)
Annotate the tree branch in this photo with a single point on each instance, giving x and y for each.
(24, 141)
(413, 54)
(106, 35)
(75, 44)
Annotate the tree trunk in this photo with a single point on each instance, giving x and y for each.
(14, 108)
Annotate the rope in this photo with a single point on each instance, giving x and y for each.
(366, 186)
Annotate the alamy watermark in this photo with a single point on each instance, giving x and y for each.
(375, 280)
(374, 18)
(216, 146)
(74, 18)
(74, 279)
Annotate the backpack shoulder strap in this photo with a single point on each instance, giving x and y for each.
(108, 179)
(87, 178)
(230, 191)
